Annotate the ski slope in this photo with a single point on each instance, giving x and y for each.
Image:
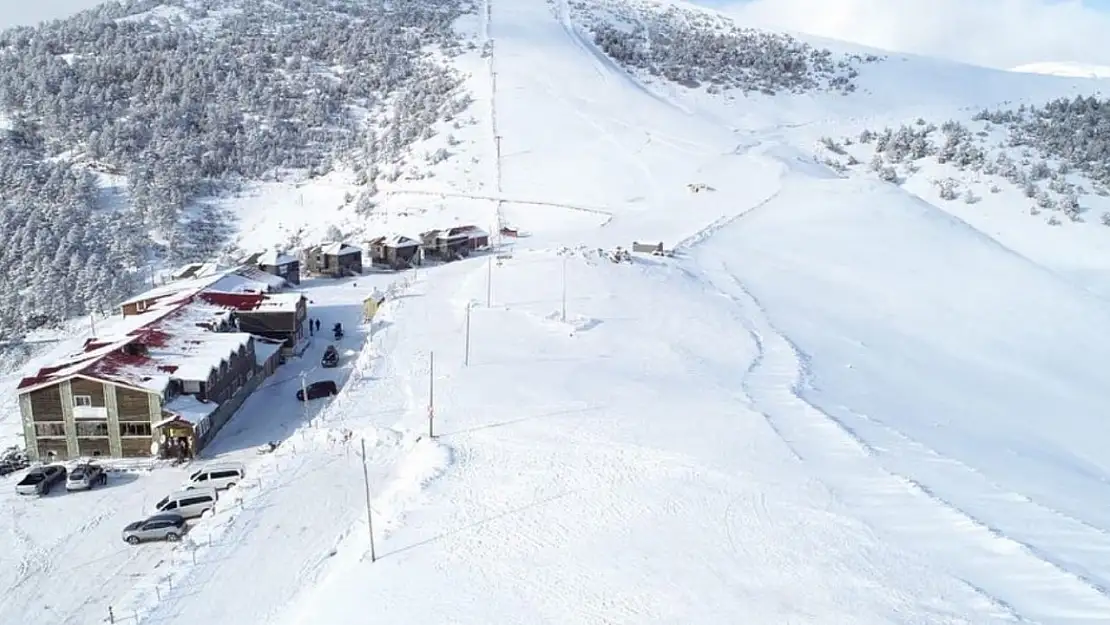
(838, 403)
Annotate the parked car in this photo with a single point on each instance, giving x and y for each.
(190, 503)
(319, 389)
(331, 357)
(40, 480)
(169, 527)
(86, 476)
(13, 459)
(220, 475)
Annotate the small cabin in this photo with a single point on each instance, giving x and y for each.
(281, 265)
(476, 237)
(445, 246)
(334, 259)
(396, 251)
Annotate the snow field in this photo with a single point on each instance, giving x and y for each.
(593, 458)
(990, 479)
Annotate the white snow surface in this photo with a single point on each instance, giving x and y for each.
(837, 403)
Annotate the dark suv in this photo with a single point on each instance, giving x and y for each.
(319, 389)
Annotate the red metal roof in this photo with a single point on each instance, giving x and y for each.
(235, 301)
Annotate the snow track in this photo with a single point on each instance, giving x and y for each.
(988, 556)
(469, 196)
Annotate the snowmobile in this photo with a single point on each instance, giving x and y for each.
(331, 357)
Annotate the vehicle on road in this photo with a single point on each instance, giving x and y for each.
(40, 480)
(169, 527)
(86, 476)
(317, 390)
(189, 503)
(331, 357)
(219, 476)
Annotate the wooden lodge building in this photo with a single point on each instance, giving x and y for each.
(179, 365)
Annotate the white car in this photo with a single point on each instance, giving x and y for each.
(218, 476)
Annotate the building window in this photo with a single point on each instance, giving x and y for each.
(46, 430)
(82, 400)
(92, 428)
(190, 387)
(135, 429)
(140, 306)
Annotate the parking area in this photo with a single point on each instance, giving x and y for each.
(64, 550)
(68, 559)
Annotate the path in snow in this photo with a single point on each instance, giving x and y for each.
(1035, 586)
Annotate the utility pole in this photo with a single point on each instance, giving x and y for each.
(431, 392)
(466, 358)
(369, 515)
(489, 281)
(564, 316)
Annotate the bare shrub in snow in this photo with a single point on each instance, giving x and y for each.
(947, 188)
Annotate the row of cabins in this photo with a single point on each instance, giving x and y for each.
(396, 251)
(176, 367)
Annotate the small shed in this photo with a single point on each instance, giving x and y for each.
(281, 265)
(334, 259)
(647, 248)
(396, 250)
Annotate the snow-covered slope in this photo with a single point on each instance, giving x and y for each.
(839, 402)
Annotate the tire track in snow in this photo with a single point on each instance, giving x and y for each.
(996, 565)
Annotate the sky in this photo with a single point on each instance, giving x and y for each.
(995, 33)
(31, 12)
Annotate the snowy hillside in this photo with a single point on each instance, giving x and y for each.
(866, 388)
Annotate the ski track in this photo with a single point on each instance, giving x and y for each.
(984, 555)
(1051, 534)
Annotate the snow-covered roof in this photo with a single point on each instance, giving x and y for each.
(400, 240)
(189, 409)
(257, 275)
(473, 232)
(261, 302)
(264, 350)
(173, 343)
(178, 289)
(339, 249)
(273, 258)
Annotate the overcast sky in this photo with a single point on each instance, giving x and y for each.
(997, 33)
(31, 12)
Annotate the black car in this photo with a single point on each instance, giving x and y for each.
(331, 357)
(319, 389)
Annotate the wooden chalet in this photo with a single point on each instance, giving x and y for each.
(440, 245)
(334, 259)
(396, 251)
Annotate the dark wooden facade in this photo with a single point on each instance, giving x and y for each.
(283, 325)
(291, 270)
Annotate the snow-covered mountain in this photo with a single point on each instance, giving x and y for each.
(867, 387)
